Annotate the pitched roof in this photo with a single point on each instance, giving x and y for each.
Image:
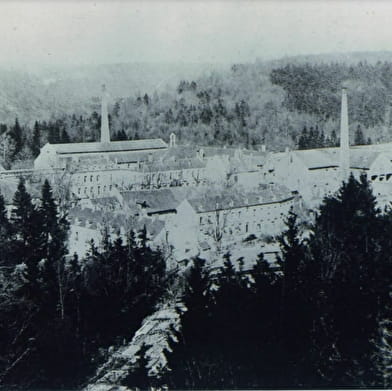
(105, 201)
(154, 201)
(228, 199)
(362, 159)
(180, 152)
(319, 158)
(171, 165)
(153, 227)
(114, 146)
(134, 156)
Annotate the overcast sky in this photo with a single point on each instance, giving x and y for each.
(65, 32)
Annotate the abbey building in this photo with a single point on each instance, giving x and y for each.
(197, 199)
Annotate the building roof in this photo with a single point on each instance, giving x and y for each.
(105, 202)
(153, 226)
(266, 194)
(180, 152)
(134, 156)
(360, 158)
(95, 220)
(319, 158)
(173, 165)
(154, 201)
(114, 146)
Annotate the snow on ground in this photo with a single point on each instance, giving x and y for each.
(248, 252)
(156, 333)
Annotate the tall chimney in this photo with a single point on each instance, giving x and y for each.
(344, 138)
(105, 134)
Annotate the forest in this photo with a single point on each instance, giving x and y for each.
(247, 106)
(58, 312)
(321, 320)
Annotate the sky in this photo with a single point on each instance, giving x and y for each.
(86, 32)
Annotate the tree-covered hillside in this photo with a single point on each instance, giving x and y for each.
(246, 105)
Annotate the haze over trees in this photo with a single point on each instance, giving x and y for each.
(282, 103)
(321, 320)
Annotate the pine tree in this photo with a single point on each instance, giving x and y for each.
(348, 263)
(295, 309)
(138, 377)
(36, 140)
(5, 233)
(17, 136)
(383, 354)
(26, 223)
(359, 137)
(65, 137)
(334, 139)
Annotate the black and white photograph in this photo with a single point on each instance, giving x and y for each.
(195, 195)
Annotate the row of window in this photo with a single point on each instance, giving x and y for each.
(91, 178)
(381, 177)
(232, 213)
(86, 190)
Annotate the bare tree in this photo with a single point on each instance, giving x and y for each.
(196, 177)
(218, 225)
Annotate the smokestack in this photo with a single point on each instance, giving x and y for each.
(105, 134)
(344, 138)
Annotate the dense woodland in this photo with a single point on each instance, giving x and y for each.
(323, 319)
(295, 105)
(59, 313)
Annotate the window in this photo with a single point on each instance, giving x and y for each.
(99, 189)
(76, 235)
(97, 178)
(201, 220)
(91, 178)
(79, 190)
(85, 178)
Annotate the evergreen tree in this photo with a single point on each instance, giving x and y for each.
(295, 310)
(55, 232)
(334, 139)
(36, 140)
(5, 234)
(17, 136)
(383, 354)
(138, 377)
(348, 274)
(65, 137)
(26, 223)
(359, 138)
